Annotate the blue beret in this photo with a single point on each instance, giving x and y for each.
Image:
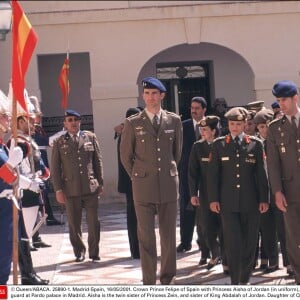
(275, 105)
(284, 89)
(153, 83)
(72, 113)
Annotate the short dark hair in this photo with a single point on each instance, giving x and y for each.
(200, 100)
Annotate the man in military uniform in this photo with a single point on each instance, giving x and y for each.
(283, 144)
(238, 190)
(150, 151)
(210, 222)
(77, 173)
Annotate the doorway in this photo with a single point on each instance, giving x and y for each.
(183, 82)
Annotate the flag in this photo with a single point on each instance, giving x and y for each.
(64, 82)
(24, 42)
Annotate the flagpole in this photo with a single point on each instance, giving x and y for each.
(15, 255)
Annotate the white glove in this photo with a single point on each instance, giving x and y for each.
(15, 155)
(27, 184)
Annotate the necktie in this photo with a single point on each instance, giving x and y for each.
(155, 123)
(75, 139)
(237, 142)
(294, 125)
(197, 133)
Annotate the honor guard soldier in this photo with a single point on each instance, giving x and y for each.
(238, 190)
(283, 160)
(150, 151)
(77, 174)
(8, 176)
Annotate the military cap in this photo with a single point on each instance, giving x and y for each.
(36, 105)
(153, 83)
(72, 113)
(211, 121)
(263, 116)
(237, 114)
(132, 111)
(255, 105)
(200, 100)
(275, 104)
(251, 114)
(284, 89)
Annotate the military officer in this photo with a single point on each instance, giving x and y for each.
(210, 222)
(238, 190)
(283, 144)
(150, 151)
(77, 174)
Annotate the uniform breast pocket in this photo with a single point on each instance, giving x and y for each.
(140, 145)
(88, 146)
(250, 159)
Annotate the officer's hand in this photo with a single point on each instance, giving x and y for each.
(263, 207)
(280, 201)
(15, 155)
(215, 207)
(60, 197)
(195, 201)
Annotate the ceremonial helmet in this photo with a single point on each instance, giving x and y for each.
(4, 104)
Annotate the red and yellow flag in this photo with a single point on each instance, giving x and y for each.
(24, 42)
(64, 83)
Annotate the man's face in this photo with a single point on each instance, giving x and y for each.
(72, 124)
(5, 121)
(263, 130)
(236, 127)
(153, 98)
(250, 127)
(197, 111)
(26, 125)
(288, 105)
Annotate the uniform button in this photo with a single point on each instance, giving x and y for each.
(159, 159)
(81, 172)
(298, 150)
(79, 158)
(159, 169)
(299, 159)
(158, 149)
(157, 139)
(238, 175)
(237, 155)
(143, 141)
(298, 141)
(80, 165)
(78, 151)
(135, 174)
(237, 165)
(238, 186)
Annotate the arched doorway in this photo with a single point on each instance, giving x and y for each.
(205, 69)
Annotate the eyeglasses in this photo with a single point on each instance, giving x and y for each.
(75, 119)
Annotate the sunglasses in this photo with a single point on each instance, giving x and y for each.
(74, 119)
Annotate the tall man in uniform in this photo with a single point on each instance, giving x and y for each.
(283, 144)
(191, 133)
(150, 151)
(76, 166)
(238, 190)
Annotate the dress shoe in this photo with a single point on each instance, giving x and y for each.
(95, 258)
(271, 269)
(289, 270)
(182, 248)
(80, 258)
(213, 262)
(225, 270)
(40, 244)
(53, 222)
(32, 248)
(203, 261)
(33, 279)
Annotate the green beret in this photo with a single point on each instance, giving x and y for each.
(237, 114)
(211, 121)
(263, 116)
